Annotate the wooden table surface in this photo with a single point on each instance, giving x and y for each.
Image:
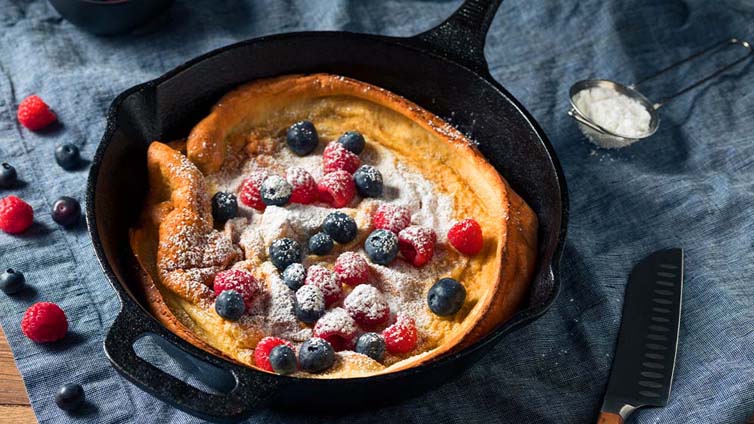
(14, 403)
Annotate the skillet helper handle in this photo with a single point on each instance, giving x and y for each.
(461, 37)
(251, 393)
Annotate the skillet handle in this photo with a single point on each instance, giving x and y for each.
(461, 37)
(253, 389)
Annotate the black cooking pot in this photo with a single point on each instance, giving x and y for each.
(443, 70)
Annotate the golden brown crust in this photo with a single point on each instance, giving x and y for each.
(510, 225)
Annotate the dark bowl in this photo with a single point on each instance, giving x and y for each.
(109, 17)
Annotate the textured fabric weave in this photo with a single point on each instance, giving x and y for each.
(691, 185)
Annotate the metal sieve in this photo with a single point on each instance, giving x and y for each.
(609, 139)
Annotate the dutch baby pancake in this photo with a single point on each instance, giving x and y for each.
(319, 226)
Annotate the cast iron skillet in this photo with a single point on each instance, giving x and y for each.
(443, 70)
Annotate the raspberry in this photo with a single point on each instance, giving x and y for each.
(325, 280)
(466, 237)
(16, 215)
(351, 268)
(391, 217)
(250, 187)
(336, 188)
(367, 306)
(263, 349)
(336, 157)
(338, 328)
(34, 114)
(44, 322)
(401, 336)
(417, 244)
(304, 187)
(239, 280)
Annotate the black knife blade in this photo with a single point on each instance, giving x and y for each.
(642, 372)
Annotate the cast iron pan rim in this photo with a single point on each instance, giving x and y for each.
(518, 320)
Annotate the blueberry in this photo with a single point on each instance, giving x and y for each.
(381, 246)
(275, 191)
(8, 175)
(339, 226)
(353, 141)
(66, 211)
(446, 297)
(230, 305)
(67, 156)
(310, 304)
(284, 252)
(11, 282)
(302, 138)
(283, 359)
(70, 397)
(224, 206)
(371, 345)
(321, 244)
(368, 181)
(294, 276)
(316, 355)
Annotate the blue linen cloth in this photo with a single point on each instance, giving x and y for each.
(690, 185)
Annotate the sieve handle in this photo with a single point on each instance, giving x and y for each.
(708, 51)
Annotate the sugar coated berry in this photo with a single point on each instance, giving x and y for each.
(34, 114)
(401, 337)
(241, 281)
(321, 244)
(66, 211)
(338, 328)
(8, 175)
(310, 304)
(294, 276)
(16, 216)
(67, 156)
(263, 349)
(316, 355)
(44, 322)
(368, 180)
(285, 251)
(250, 190)
(302, 138)
(367, 306)
(70, 397)
(381, 246)
(417, 244)
(353, 141)
(224, 206)
(391, 217)
(325, 280)
(446, 297)
(341, 227)
(12, 282)
(371, 345)
(283, 360)
(351, 268)
(303, 185)
(336, 188)
(466, 237)
(338, 158)
(275, 191)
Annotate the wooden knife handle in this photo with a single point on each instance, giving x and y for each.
(610, 418)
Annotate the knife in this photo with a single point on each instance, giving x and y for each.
(642, 372)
